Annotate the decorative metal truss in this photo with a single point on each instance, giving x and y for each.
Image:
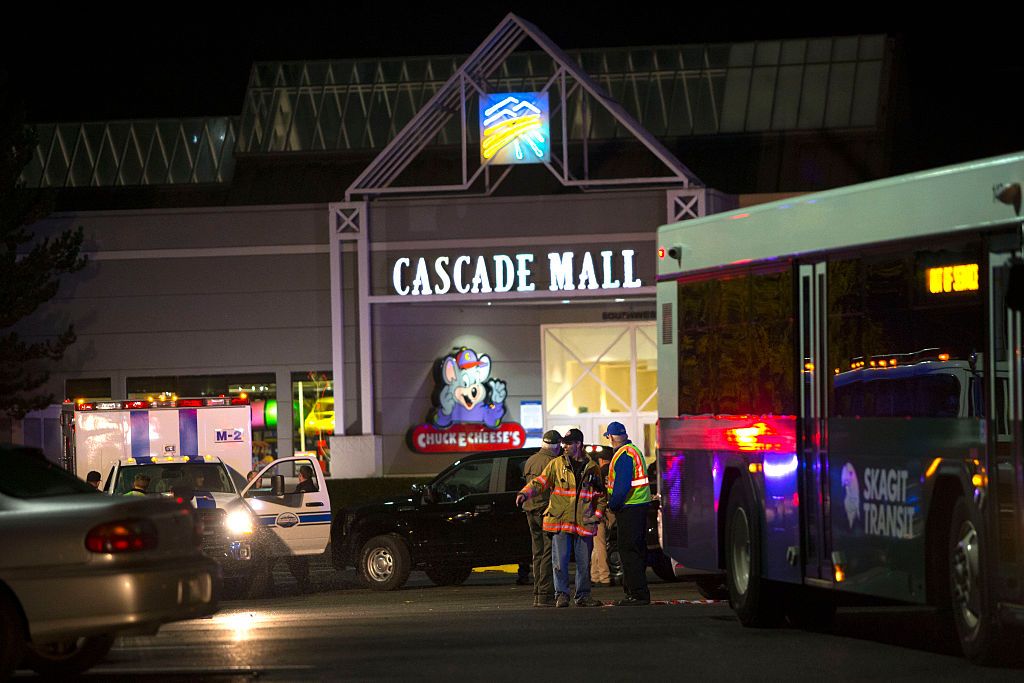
(673, 91)
(124, 153)
(567, 86)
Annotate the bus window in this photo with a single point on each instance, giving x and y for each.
(736, 345)
(900, 344)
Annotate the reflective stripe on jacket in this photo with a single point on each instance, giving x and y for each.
(639, 488)
(566, 511)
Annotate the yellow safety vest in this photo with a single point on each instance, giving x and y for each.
(640, 490)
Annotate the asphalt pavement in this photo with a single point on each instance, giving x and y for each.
(486, 629)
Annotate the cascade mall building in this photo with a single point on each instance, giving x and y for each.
(404, 260)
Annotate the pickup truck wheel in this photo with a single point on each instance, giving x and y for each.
(385, 562)
(12, 637)
(448, 575)
(67, 657)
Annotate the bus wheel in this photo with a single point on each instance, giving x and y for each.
(752, 598)
(976, 627)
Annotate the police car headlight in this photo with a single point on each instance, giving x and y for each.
(239, 522)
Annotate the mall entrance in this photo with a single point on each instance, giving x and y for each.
(596, 373)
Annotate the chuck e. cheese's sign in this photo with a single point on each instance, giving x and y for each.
(469, 411)
(555, 271)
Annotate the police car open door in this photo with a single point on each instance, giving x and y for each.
(299, 520)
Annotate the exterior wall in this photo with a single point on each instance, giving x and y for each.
(510, 217)
(411, 334)
(196, 292)
(247, 290)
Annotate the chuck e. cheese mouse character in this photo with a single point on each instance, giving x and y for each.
(468, 395)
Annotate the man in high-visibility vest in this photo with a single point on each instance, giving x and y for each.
(629, 496)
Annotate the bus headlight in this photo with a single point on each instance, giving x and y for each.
(239, 522)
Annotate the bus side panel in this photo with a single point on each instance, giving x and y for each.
(101, 439)
(879, 470)
(226, 433)
(698, 455)
(691, 482)
(781, 505)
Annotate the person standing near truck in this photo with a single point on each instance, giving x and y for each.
(576, 506)
(629, 495)
(543, 582)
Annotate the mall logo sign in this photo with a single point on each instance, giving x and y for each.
(469, 409)
(514, 128)
(499, 273)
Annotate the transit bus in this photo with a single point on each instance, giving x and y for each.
(839, 399)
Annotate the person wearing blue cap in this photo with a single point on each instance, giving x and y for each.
(629, 495)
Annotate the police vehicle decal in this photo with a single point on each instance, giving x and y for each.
(304, 519)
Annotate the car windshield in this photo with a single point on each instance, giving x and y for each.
(464, 479)
(164, 477)
(28, 474)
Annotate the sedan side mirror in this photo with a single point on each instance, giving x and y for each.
(277, 485)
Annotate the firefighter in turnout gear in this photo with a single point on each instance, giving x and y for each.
(576, 506)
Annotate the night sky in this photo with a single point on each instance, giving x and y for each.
(74, 65)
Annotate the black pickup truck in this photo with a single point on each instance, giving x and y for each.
(465, 517)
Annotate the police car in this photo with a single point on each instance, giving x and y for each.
(246, 525)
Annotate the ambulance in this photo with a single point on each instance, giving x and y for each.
(203, 447)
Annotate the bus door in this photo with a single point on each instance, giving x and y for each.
(814, 490)
(1004, 421)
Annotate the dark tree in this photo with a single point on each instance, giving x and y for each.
(29, 267)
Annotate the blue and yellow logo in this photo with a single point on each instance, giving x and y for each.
(514, 128)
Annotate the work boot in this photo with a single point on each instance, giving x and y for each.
(633, 602)
(543, 601)
(588, 602)
(561, 600)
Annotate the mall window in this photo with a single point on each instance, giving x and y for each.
(600, 372)
(97, 389)
(313, 413)
(260, 388)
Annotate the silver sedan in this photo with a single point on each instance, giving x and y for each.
(79, 568)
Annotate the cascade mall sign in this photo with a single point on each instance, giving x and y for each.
(499, 273)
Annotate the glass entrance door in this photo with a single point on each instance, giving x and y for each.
(597, 373)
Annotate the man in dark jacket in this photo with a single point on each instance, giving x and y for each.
(543, 582)
(629, 494)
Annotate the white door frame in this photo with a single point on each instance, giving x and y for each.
(588, 421)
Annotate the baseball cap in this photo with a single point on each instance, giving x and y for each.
(573, 436)
(551, 436)
(615, 429)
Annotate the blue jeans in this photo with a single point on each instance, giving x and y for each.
(582, 547)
